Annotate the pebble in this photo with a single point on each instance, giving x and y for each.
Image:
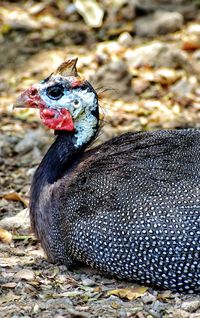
(6, 145)
(134, 310)
(26, 274)
(30, 172)
(20, 220)
(32, 139)
(115, 299)
(183, 87)
(16, 316)
(166, 76)
(157, 307)
(64, 303)
(191, 42)
(187, 8)
(197, 54)
(156, 54)
(88, 282)
(36, 155)
(78, 314)
(140, 85)
(160, 22)
(191, 39)
(114, 75)
(178, 313)
(148, 298)
(125, 39)
(122, 313)
(194, 28)
(191, 305)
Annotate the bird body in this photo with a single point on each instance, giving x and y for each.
(129, 207)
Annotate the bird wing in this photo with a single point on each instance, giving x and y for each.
(160, 155)
(137, 165)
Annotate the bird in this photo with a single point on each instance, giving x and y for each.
(130, 207)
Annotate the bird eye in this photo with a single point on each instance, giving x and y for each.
(55, 92)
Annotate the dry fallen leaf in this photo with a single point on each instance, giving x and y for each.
(163, 296)
(128, 293)
(115, 305)
(5, 236)
(9, 285)
(26, 274)
(9, 297)
(9, 261)
(14, 196)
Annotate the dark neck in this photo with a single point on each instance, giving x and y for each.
(58, 159)
(57, 162)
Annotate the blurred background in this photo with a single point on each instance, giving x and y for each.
(142, 56)
(143, 59)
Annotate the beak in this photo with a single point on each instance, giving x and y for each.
(29, 99)
(21, 102)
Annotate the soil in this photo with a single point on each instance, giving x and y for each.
(137, 91)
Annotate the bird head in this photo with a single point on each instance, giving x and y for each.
(64, 99)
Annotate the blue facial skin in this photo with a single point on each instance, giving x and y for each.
(58, 92)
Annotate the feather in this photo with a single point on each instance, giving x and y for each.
(67, 68)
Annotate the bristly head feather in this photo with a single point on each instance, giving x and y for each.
(66, 102)
(67, 68)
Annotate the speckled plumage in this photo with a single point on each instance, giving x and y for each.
(130, 207)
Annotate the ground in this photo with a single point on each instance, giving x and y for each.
(143, 59)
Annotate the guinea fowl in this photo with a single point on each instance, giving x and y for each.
(129, 207)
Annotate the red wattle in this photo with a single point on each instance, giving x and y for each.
(57, 119)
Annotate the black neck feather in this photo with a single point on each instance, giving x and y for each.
(58, 159)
